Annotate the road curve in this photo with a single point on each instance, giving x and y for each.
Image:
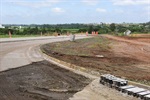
(22, 51)
(16, 53)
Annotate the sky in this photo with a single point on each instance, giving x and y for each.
(73, 11)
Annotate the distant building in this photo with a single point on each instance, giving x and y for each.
(1, 26)
(127, 32)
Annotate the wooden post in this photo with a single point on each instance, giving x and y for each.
(9, 34)
(41, 34)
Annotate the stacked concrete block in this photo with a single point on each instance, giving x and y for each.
(119, 82)
(122, 85)
(123, 88)
(147, 97)
(142, 94)
(112, 81)
(134, 91)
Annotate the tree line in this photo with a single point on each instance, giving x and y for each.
(75, 28)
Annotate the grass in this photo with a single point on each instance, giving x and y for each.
(71, 30)
(18, 36)
(87, 48)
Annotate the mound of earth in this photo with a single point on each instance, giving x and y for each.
(122, 57)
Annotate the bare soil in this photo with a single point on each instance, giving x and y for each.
(126, 57)
(139, 39)
(40, 81)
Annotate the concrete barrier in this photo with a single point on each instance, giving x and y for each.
(122, 85)
(72, 37)
(147, 97)
(122, 88)
(134, 91)
(142, 94)
(112, 81)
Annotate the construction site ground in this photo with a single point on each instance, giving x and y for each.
(40, 81)
(126, 57)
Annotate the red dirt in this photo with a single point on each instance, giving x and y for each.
(132, 47)
(127, 57)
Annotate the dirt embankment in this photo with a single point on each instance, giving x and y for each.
(106, 54)
(40, 81)
(134, 47)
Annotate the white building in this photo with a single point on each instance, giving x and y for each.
(127, 32)
(1, 26)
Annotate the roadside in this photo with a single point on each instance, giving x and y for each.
(96, 91)
(5, 40)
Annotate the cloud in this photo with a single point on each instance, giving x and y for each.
(90, 2)
(36, 4)
(119, 11)
(57, 10)
(131, 2)
(101, 10)
(147, 10)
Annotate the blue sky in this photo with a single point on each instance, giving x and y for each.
(73, 11)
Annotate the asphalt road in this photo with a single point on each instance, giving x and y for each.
(18, 52)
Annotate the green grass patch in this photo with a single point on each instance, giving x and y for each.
(18, 36)
(82, 47)
(71, 29)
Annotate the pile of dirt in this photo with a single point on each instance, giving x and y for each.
(115, 58)
(40, 81)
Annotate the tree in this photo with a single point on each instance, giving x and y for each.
(90, 29)
(43, 30)
(64, 31)
(95, 29)
(82, 30)
(121, 28)
(112, 27)
(3, 31)
(57, 30)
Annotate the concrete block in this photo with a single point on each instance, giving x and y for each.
(122, 88)
(134, 91)
(142, 94)
(147, 97)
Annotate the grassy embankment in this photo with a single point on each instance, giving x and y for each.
(87, 47)
(18, 36)
(97, 54)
